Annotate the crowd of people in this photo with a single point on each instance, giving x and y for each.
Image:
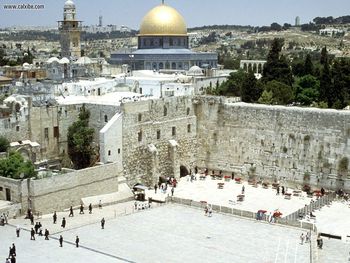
(37, 229)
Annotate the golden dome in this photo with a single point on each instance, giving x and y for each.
(163, 20)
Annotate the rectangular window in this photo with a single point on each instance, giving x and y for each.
(158, 134)
(119, 151)
(140, 136)
(17, 128)
(140, 117)
(46, 133)
(189, 128)
(55, 132)
(109, 153)
(173, 131)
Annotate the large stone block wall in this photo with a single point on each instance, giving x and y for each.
(141, 162)
(300, 145)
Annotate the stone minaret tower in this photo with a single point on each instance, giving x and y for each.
(70, 30)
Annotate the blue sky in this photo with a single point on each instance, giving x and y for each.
(195, 12)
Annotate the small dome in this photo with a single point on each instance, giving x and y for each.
(69, 4)
(52, 59)
(64, 61)
(25, 65)
(163, 20)
(195, 71)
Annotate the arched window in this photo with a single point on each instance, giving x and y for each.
(188, 111)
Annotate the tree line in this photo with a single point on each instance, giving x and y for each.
(323, 83)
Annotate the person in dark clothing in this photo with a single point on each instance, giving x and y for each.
(71, 213)
(155, 188)
(36, 227)
(77, 242)
(13, 250)
(81, 209)
(54, 217)
(103, 221)
(61, 241)
(283, 191)
(32, 234)
(13, 259)
(90, 208)
(47, 234)
(322, 191)
(63, 223)
(233, 176)
(18, 230)
(31, 218)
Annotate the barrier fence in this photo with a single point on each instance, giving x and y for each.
(290, 220)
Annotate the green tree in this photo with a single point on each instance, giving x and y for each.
(307, 90)
(308, 66)
(250, 90)
(324, 56)
(276, 66)
(80, 137)
(4, 144)
(266, 97)
(282, 93)
(327, 92)
(232, 86)
(341, 83)
(14, 165)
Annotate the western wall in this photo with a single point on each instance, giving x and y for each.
(293, 144)
(304, 146)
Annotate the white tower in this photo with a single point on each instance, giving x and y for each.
(70, 30)
(297, 21)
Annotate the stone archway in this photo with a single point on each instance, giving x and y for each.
(183, 171)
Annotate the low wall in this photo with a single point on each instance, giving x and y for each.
(61, 191)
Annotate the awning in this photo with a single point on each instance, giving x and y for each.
(140, 187)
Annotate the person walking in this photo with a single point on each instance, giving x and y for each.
(32, 234)
(172, 191)
(18, 230)
(13, 250)
(155, 188)
(81, 209)
(100, 204)
(103, 221)
(31, 219)
(243, 189)
(90, 208)
(47, 234)
(210, 211)
(71, 213)
(302, 238)
(77, 241)
(54, 217)
(206, 210)
(63, 222)
(61, 240)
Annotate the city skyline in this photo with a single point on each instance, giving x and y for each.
(130, 13)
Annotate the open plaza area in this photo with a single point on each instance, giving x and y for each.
(178, 233)
(168, 233)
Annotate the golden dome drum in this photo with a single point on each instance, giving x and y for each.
(163, 20)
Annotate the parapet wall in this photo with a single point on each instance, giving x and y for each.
(301, 145)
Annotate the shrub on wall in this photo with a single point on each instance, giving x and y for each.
(15, 167)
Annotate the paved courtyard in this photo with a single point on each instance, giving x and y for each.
(169, 233)
(256, 198)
